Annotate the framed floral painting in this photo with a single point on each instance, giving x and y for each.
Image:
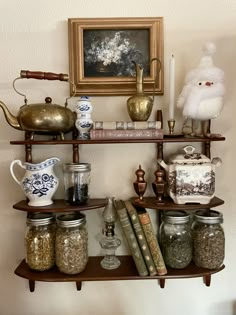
(103, 54)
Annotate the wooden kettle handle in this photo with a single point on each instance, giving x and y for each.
(43, 75)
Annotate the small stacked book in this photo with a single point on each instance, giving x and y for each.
(126, 130)
(121, 125)
(141, 239)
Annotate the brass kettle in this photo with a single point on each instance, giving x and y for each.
(139, 106)
(45, 118)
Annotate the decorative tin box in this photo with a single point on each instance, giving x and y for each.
(191, 177)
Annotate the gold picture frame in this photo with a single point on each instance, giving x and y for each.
(96, 43)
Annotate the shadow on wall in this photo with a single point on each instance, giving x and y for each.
(224, 308)
(234, 308)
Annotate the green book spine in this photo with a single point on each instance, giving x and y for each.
(131, 238)
(152, 241)
(143, 244)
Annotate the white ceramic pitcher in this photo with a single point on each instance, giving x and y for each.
(39, 182)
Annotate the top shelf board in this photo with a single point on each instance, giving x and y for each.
(165, 139)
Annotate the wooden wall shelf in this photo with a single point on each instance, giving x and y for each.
(167, 204)
(126, 271)
(165, 139)
(60, 205)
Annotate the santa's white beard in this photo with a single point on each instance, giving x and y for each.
(196, 95)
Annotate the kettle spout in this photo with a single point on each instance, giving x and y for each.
(163, 164)
(12, 120)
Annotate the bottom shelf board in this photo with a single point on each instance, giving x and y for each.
(94, 272)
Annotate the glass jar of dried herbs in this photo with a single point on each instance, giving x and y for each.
(71, 243)
(208, 239)
(40, 241)
(76, 182)
(176, 239)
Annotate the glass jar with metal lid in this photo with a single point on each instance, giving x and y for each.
(76, 182)
(40, 241)
(71, 243)
(208, 239)
(176, 239)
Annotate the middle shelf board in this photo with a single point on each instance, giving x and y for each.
(166, 138)
(60, 205)
(94, 272)
(151, 202)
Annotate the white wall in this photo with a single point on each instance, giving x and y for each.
(33, 35)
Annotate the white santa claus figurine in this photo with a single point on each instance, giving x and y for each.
(202, 94)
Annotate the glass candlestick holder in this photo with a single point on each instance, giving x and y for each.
(109, 241)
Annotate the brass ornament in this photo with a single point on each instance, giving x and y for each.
(45, 118)
(139, 106)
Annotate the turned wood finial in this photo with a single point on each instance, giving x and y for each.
(140, 184)
(159, 185)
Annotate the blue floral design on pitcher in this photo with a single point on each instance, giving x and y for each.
(39, 184)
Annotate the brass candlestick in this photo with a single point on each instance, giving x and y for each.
(171, 125)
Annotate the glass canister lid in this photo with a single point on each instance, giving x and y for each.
(71, 219)
(176, 217)
(77, 167)
(38, 218)
(208, 216)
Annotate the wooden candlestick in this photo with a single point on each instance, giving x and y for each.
(140, 184)
(159, 185)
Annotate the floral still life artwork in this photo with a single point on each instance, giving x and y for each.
(112, 52)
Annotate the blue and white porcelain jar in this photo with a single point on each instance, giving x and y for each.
(39, 182)
(83, 106)
(84, 121)
(84, 124)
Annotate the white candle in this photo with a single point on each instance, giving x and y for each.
(172, 87)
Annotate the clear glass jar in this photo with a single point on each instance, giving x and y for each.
(40, 241)
(208, 239)
(76, 182)
(175, 239)
(71, 243)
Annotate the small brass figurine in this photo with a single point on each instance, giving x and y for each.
(140, 184)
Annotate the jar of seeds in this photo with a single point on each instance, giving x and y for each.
(208, 239)
(76, 182)
(71, 243)
(40, 241)
(175, 239)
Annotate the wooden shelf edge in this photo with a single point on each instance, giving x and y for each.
(151, 202)
(165, 139)
(94, 272)
(60, 205)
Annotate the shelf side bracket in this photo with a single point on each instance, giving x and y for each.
(78, 285)
(31, 285)
(162, 282)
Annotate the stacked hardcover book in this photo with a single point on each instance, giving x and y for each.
(107, 130)
(143, 244)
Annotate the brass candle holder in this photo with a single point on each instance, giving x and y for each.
(171, 126)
